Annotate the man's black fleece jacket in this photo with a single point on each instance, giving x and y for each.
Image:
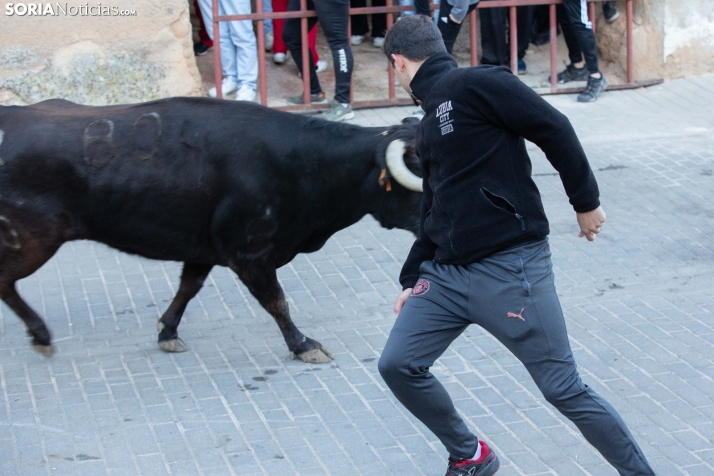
(479, 197)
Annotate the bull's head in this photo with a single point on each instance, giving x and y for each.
(400, 179)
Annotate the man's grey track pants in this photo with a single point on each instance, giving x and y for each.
(510, 294)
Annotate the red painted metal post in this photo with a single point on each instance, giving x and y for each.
(349, 45)
(630, 72)
(591, 16)
(473, 30)
(217, 69)
(390, 70)
(513, 33)
(553, 49)
(263, 80)
(305, 54)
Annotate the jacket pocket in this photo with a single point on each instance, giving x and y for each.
(504, 205)
(438, 225)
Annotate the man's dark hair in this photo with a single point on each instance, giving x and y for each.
(415, 37)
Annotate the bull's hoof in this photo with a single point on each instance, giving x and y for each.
(46, 350)
(174, 345)
(314, 356)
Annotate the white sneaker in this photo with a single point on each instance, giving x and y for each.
(227, 87)
(356, 40)
(269, 40)
(319, 67)
(278, 58)
(378, 42)
(245, 93)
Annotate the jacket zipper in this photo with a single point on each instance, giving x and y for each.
(486, 192)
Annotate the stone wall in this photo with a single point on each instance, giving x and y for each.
(97, 59)
(672, 39)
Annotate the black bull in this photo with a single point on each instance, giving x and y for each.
(205, 182)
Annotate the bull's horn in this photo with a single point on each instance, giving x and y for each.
(399, 170)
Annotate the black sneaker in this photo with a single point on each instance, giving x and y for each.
(542, 38)
(486, 465)
(610, 11)
(594, 88)
(571, 73)
(200, 48)
(522, 68)
(318, 98)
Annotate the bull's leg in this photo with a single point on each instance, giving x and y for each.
(262, 282)
(25, 245)
(36, 328)
(192, 279)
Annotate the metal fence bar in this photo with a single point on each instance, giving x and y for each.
(513, 33)
(553, 47)
(473, 37)
(262, 85)
(305, 55)
(390, 9)
(217, 70)
(390, 69)
(630, 67)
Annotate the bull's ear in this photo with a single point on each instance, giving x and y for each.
(380, 156)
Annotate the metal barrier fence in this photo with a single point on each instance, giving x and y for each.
(390, 10)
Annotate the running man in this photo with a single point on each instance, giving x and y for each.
(482, 255)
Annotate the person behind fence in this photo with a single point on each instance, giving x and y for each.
(333, 16)
(360, 24)
(450, 17)
(541, 21)
(239, 53)
(482, 255)
(280, 48)
(494, 46)
(205, 42)
(580, 40)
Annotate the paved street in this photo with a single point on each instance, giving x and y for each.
(639, 305)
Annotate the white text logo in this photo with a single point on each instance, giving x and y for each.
(65, 9)
(443, 112)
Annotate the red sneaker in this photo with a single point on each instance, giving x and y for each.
(486, 465)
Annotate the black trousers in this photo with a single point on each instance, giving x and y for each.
(494, 33)
(360, 25)
(333, 16)
(422, 7)
(578, 33)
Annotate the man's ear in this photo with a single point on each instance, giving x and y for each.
(398, 62)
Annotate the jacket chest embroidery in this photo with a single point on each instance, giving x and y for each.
(443, 113)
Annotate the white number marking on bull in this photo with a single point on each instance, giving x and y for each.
(98, 142)
(146, 133)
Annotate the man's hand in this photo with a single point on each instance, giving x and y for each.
(401, 299)
(454, 19)
(590, 223)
